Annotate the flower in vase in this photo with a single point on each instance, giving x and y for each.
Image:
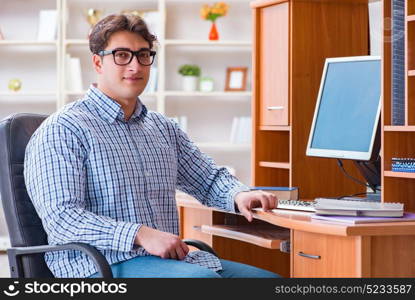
(212, 12)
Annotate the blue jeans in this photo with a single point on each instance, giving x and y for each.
(156, 267)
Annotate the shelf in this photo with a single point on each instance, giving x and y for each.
(80, 93)
(410, 18)
(267, 236)
(399, 174)
(207, 94)
(76, 42)
(275, 128)
(402, 128)
(26, 43)
(27, 94)
(224, 146)
(276, 165)
(172, 42)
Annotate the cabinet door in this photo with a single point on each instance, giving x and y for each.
(274, 64)
(320, 255)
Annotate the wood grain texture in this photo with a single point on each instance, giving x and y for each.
(316, 30)
(337, 255)
(320, 30)
(191, 220)
(266, 236)
(273, 64)
(268, 259)
(393, 256)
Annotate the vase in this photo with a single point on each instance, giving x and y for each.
(190, 83)
(213, 34)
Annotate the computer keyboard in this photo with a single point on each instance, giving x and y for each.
(296, 205)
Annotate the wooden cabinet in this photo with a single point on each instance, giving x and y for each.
(320, 255)
(379, 250)
(292, 39)
(273, 63)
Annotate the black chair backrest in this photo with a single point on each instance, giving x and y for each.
(24, 225)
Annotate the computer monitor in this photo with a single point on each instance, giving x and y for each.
(346, 118)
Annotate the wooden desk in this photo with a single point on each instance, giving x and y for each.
(318, 248)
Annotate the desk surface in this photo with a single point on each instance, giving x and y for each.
(302, 221)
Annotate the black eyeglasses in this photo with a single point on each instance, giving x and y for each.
(123, 56)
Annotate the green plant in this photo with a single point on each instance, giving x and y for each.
(189, 70)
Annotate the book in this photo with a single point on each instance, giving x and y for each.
(48, 24)
(398, 62)
(366, 213)
(241, 130)
(74, 74)
(328, 206)
(282, 193)
(407, 217)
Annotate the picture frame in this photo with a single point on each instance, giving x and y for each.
(236, 79)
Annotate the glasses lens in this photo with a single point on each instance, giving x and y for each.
(122, 57)
(145, 58)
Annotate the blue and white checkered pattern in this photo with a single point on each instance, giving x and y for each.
(95, 178)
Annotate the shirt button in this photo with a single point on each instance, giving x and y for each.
(146, 173)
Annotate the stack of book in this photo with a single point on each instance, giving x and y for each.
(324, 206)
(241, 130)
(403, 164)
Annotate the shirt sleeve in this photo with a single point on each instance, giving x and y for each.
(55, 177)
(200, 177)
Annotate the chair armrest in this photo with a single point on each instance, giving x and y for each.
(97, 257)
(200, 245)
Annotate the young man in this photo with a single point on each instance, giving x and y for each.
(104, 170)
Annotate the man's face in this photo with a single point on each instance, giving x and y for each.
(122, 82)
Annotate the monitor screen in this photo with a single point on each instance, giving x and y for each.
(347, 112)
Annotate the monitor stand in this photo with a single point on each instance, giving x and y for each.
(371, 171)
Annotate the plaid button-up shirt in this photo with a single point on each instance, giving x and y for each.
(95, 178)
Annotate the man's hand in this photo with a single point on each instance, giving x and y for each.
(248, 200)
(159, 243)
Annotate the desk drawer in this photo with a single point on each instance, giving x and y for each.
(320, 255)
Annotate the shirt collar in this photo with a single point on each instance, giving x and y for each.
(110, 110)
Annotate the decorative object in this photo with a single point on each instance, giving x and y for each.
(15, 84)
(150, 16)
(92, 17)
(211, 13)
(236, 79)
(134, 12)
(191, 75)
(48, 25)
(206, 84)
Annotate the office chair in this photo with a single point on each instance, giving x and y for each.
(27, 236)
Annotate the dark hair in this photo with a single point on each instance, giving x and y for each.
(102, 31)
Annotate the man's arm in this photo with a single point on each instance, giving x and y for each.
(55, 178)
(200, 177)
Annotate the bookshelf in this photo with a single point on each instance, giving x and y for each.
(180, 41)
(398, 141)
(287, 68)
